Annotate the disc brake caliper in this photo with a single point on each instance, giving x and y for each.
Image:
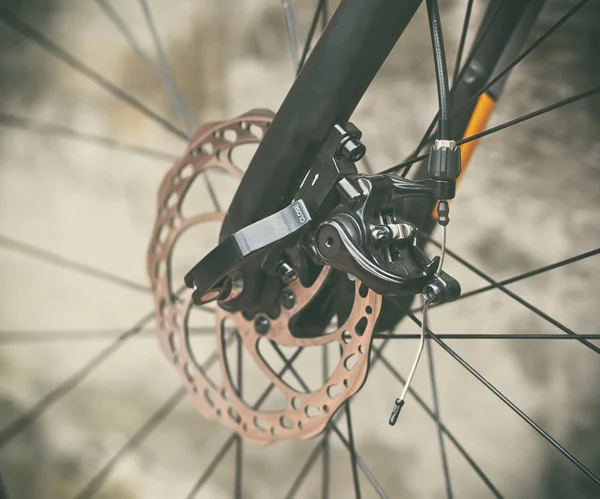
(349, 221)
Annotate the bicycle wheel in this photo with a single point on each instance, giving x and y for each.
(101, 419)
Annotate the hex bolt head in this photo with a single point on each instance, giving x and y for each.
(432, 293)
(287, 273)
(353, 149)
(262, 324)
(288, 300)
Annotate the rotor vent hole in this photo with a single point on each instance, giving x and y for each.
(363, 291)
(346, 337)
(230, 135)
(234, 416)
(241, 155)
(163, 233)
(186, 172)
(350, 361)
(361, 349)
(296, 403)
(207, 148)
(256, 130)
(172, 200)
(173, 342)
(287, 423)
(261, 424)
(160, 269)
(361, 325)
(334, 390)
(369, 309)
(312, 411)
(208, 397)
(187, 369)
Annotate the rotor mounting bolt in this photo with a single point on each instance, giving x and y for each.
(287, 272)
(288, 299)
(262, 325)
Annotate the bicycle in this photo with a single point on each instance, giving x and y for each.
(309, 130)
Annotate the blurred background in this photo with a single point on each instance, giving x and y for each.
(76, 218)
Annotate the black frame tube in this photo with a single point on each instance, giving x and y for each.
(350, 52)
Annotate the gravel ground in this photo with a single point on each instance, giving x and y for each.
(530, 198)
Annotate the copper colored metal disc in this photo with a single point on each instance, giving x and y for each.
(306, 413)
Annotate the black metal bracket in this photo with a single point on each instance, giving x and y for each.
(340, 218)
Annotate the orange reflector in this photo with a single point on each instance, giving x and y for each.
(481, 115)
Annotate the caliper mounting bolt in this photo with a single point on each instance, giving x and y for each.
(262, 324)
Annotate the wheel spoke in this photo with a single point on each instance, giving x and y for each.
(518, 299)
(167, 74)
(324, 15)
(81, 268)
(169, 83)
(530, 273)
(505, 399)
(377, 355)
(26, 419)
(10, 120)
(30, 416)
(534, 114)
(352, 452)
(524, 54)
(221, 453)
(16, 337)
(462, 40)
(311, 34)
(308, 465)
(163, 73)
(212, 466)
(491, 336)
(92, 487)
(34, 35)
(326, 454)
(428, 133)
(360, 463)
(289, 22)
(405, 166)
(66, 263)
(121, 25)
(436, 414)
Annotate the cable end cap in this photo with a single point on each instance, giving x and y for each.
(396, 411)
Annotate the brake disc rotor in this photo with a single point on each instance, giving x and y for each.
(306, 413)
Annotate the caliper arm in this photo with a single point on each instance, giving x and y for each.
(209, 277)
